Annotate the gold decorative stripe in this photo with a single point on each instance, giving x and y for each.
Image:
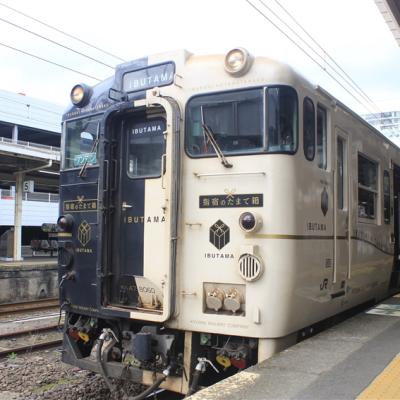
(312, 237)
(64, 234)
(291, 237)
(386, 385)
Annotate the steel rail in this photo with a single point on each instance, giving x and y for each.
(11, 308)
(29, 348)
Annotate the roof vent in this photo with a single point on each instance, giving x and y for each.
(250, 267)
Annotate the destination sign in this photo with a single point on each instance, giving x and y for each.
(143, 79)
(231, 200)
(85, 158)
(80, 205)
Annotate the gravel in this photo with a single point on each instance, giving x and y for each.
(41, 375)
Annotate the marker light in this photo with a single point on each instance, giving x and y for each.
(80, 94)
(65, 223)
(250, 222)
(238, 61)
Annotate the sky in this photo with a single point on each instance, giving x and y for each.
(352, 32)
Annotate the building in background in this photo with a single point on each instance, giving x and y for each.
(28, 126)
(387, 123)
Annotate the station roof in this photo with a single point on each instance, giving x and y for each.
(390, 10)
(23, 156)
(39, 133)
(19, 109)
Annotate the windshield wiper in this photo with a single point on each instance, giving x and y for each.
(92, 150)
(208, 133)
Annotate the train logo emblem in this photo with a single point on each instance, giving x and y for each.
(219, 234)
(84, 233)
(324, 201)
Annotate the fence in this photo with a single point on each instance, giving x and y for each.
(6, 194)
(30, 144)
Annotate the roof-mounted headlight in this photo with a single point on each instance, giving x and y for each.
(80, 94)
(238, 61)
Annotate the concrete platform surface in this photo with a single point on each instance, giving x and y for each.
(30, 279)
(338, 364)
(30, 262)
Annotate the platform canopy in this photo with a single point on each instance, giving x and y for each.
(41, 163)
(30, 133)
(390, 10)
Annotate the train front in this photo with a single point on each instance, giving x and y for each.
(150, 237)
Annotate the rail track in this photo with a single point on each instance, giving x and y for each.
(13, 308)
(28, 348)
(30, 331)
(27, 333)
(29, 340)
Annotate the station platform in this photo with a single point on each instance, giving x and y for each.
(30, 279)
(356, 359)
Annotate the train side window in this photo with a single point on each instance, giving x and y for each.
(322, 138)
(386, 197)
(340, 159)
(309, 129)
(282, 119)
(367, 187)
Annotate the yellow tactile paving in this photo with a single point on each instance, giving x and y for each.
(386, 386)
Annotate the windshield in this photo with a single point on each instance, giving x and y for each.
(80, 142)
(145, 147)
(238, 120)
(235, 119)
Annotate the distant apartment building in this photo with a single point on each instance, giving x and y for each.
(30, 124)
(387, 123)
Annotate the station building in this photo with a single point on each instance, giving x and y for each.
(30, 134)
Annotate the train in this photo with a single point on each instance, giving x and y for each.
(213, 210)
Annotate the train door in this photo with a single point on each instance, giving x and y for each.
(143, 220)
(342, 218)
(394, 282)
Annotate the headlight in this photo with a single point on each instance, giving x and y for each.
(250, 222)
(80, 95)
(238, 61)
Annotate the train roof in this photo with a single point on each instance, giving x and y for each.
(198, 78)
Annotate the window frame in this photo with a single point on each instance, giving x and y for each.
(308, 99)
(64, 142)
(127, 152)
(376, 192)
(343, 204)
(323, 166)
(264, 123)
(386, 195)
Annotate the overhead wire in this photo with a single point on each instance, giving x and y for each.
(30, 105)
(61, 31)
(49, 61)
(309, 55)
(346, 76)
(54, 42)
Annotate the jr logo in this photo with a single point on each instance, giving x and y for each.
(324, 284)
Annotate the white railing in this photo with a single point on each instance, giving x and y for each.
(6, 194)
(29, 144)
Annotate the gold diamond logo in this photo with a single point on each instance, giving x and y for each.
(84, 232)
